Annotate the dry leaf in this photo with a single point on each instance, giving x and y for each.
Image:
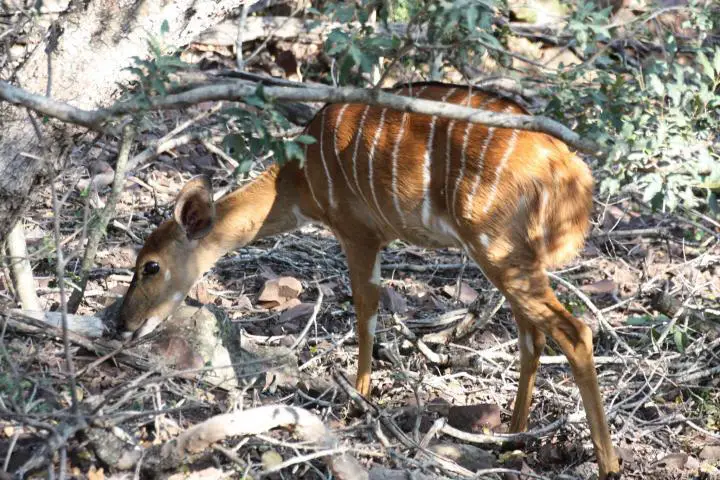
(601, 287)
(301, 311)
(270, 459)
(393, 301)
(466, 296)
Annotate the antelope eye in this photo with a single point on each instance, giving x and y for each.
(151, 268)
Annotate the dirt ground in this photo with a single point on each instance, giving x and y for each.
(654, 278)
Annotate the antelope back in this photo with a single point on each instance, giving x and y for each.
(436, 181)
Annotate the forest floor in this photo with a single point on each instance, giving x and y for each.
(653, 278)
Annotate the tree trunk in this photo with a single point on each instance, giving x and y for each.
(96, 42)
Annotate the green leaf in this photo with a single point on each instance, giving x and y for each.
(165, 27)
(640, 320)
(255, 101)
(680, 340)
(653, 187)
(294, 151)
(656, 85)
(306, 139)
(243, 167)
(234, 145)
(708, 69)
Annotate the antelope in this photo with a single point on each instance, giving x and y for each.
(516, 202)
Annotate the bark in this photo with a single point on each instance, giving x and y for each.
(95, 43)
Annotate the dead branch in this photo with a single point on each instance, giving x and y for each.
(94, 119)
(307, 426)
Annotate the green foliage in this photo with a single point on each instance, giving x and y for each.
(659, 120)
(152, 75)
(254, 134)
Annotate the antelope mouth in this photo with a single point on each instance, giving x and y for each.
(148, 326)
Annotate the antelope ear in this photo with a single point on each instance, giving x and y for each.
(194, 208)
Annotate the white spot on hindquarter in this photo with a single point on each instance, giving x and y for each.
(335, 145)
(396, 149)
(168, 275)
(498, 171)
(484, 240)
(331, 193)
(427, 165)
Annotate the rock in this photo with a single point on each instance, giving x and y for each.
(474, 418)
(710, 453)
(469, 456)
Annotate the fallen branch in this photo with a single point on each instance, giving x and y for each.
(307, 426)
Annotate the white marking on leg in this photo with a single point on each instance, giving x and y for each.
(498, 171)
(335, 145)
(371, 161)
(529, 342)
(463, 158)
(427, 165)
(300, 219)
(168, 275)
(177, 296)
(372, 325)
(309, 184)
(331, 193)
(376, 278)
(396, 149)
(355, 151)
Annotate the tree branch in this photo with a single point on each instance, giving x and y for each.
(237, 92)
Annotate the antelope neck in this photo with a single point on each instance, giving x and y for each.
(263, 208)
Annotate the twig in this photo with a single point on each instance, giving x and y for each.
(97, 229)
(240, 33)
(21, 268)
(310, 321)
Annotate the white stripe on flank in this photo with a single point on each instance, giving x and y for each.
(337, 153)
(480, 167)
(427, 165)
(461, 173)
(448, 152)
(331, 193)
(396, 149)
(371, 159)
(355, 151)
(309, 184)
(498, 171)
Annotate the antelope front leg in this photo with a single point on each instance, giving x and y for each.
(363, 258)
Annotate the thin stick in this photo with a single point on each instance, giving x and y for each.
(310, 321)
(98, 228)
